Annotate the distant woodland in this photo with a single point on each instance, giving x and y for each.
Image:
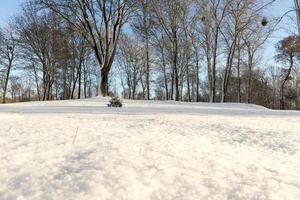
(182, 50)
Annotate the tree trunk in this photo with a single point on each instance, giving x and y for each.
(74, 85)
(238, 71)
(79, 81)
(172, 84)
(165, 73)
(44, 81)
(103, 83)
(175, 57)
(197, 77)
(249, 91)
(188, 82)
(282, 103)
(37, 83)
(213, 70)
(227, 73)
(148, 66)
(6, 81)
(297, 91)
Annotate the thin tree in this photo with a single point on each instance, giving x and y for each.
(288, 49)
(7, 57)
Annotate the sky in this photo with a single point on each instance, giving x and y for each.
(279, 8)
(9, 8)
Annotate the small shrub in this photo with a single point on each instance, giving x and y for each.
(115, 102)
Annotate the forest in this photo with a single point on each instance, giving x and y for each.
(182, 50)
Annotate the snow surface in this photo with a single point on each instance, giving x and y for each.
(148, 150)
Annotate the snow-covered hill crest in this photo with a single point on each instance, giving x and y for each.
(148, 150)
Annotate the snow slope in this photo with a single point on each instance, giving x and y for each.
(148, 150)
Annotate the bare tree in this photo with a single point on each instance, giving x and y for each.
(168, 13)
(100, 22)
(8, 52)
(38, 37)
(142, 24)
(130, 65)
(288, 49)
(213, 13)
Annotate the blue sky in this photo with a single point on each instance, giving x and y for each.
(278, 9)
(8, 8)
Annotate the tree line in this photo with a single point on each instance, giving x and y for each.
(183, 50)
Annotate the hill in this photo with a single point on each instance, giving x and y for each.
(82, 149)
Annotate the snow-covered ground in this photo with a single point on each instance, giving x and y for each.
(69, 150)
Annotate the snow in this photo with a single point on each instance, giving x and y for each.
(148, 150)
